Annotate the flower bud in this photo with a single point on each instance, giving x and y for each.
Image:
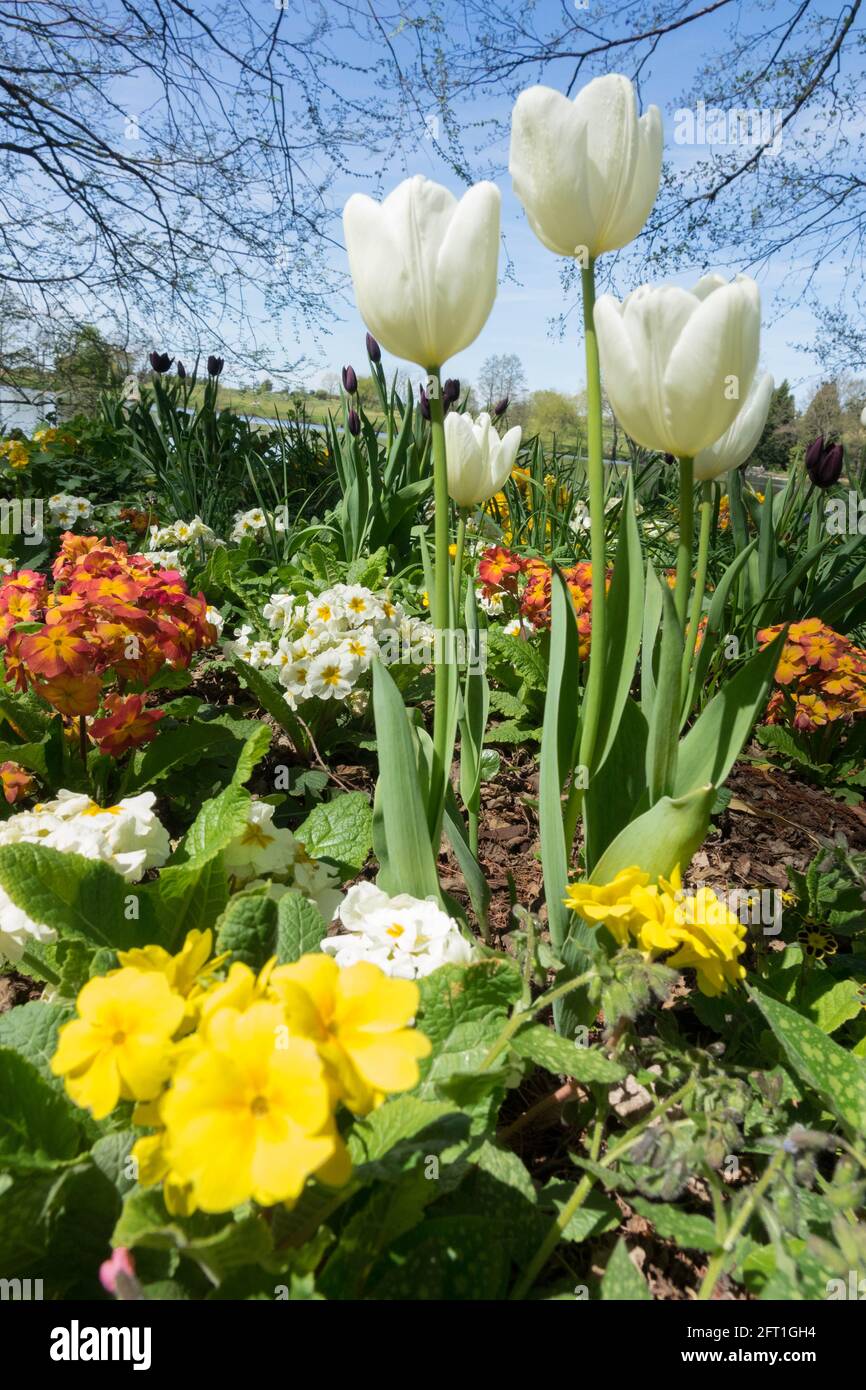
(350, 381)
(354, 422)
(181, 370)
(160, 361)
(814, 454)
(450, 391)
(374, 352)
(500, 407)
(826, 470)
(214, 365)
(424, 404)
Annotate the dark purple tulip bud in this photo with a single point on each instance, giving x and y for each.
(215, 365)
(350, 381)
(354, 422)
(500, 407)
(814, 454)
(828, 468)
(669, 459)
(160, 361)
(450, 391)
(181, 370)
(374, 352)
(424, 403)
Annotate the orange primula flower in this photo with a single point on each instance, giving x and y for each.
(822, 676)
(499, 569)
(55, 650)
(127, 725)
(72, 695)
(16, 782)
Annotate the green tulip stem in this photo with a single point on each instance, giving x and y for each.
(687, 533)
(462, 514)
(706, 510)
(594, 693)
(441, 601)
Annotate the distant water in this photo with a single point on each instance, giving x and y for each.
(23, 408)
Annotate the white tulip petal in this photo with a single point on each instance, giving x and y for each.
(738, 442)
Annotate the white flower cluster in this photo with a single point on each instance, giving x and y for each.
(255, 521)
(128, 837)
(65, 510)
(327, 642)
(264, 851)
(406, 937)
(180, 533)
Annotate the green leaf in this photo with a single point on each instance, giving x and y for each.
(36, 1122)
(838, 1077)
(248, 928)
(716, 739)
(173, 748)
(300, 927)
(557, 1054)
(393, 1126)
(689, 1229)
(661, 751)
(340, 831)
(621, 1281)
(596, 1216)
(31, 1030)
(73, 895)
(625, 606)
(220, 820)
(558, 754)
(668, 834)
(410, 866)
(462, 1010)
(272, 700)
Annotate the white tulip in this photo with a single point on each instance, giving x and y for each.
(678, 364)
(741, 439)
(586, 171)
(863, 416)
(478, 461)
(424, 266)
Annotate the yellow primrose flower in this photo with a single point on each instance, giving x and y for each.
(655, 920)
(152, 1166)
(608, 904)
(712, 938)
(358, 1017)
(250, 1114)
(120, 1046)
(184, 970)
(239, 990)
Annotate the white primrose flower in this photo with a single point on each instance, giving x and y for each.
(406, 937)
(215, 618)
(164, 559)
(493, 605)
(332, 675)
(361, 646)
(260, 654)
(17, 930)
(282, 611)
(262, 847)
(129, 836)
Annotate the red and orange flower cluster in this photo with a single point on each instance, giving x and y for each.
(821, 675)
(528, 581)
(110, 617)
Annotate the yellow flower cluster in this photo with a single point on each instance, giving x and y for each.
(658, 918)
(239, 1077)
(15, 452)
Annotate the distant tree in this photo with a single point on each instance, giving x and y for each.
(550, 412)
(780, 433)
(502, 374)
(85, 364)
(823, 414)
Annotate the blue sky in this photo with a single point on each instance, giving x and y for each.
(532, 296)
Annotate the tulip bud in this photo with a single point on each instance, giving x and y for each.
(160, 361)
(424, 404)
(500, 407)
(181, 370)
(669, 459)
(826, 469)
(354, 422)
(374, 352)
(814, 453)
(215, 365)
(350, 381)
(450, 391)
